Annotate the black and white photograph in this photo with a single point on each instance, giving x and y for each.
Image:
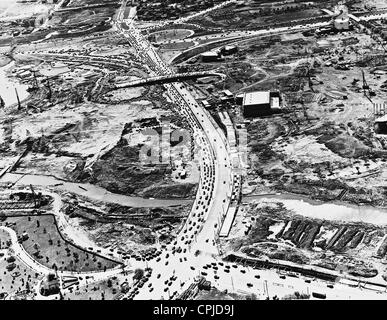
(193, 154)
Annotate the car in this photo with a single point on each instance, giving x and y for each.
(249, 285)
(158, 276)
(204, 273)
(257, 276)
(243, 271)
(192, 268)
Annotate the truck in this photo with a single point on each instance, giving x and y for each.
(319, 295)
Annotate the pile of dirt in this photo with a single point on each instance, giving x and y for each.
(121, 171)
(277, 252)
(346, 146)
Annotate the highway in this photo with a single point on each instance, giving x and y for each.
(200, 230)
(168, 78)
(195, 248)
(195, 252)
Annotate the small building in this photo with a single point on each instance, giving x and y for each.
(228, 94)
(239, 99)
(341, 24)
(229, 50)
(206, 104)
(210, 56)
(256, 104)
(381, 125)
(50, 285)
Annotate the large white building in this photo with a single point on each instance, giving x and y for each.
(256, 103)
(260, 103)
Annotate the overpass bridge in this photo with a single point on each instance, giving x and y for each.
(168, 79)
(380, 14)
(88, 7)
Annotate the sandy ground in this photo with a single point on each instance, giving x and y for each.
(11, 10)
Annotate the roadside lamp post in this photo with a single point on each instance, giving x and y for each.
(267, 290)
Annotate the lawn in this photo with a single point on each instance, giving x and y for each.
(46, 245)
(15, 278)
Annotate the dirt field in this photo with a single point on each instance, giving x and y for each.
(275, 232)
(124, 228)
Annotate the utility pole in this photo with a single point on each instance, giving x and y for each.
(33, 194)
(267, 290)
(365, 85)
(18, 100)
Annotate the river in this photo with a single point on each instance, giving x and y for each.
(91, 191)
(336, 211)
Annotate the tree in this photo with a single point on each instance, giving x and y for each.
(138, 274)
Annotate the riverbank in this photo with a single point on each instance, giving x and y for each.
(90, 191)
(336, 211)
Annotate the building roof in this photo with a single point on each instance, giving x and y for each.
(256, 98)
(228, 93)
(209, 54)
(382, 119)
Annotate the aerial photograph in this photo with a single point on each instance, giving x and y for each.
(204, 150)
